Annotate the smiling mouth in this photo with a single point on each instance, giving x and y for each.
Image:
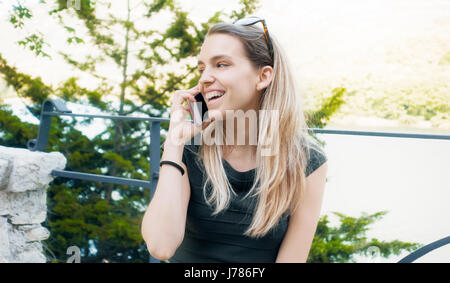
(214, 98)
(211, 97)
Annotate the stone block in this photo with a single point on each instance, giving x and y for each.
(24, 177)
(28, 207)
(4, 240)
(30, 170)
(34, 232)
(6, 164)
(4, 203)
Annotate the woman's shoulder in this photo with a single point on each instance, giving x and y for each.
(316, 156)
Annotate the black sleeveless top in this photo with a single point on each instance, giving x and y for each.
(221, 238)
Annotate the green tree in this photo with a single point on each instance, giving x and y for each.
(95, 215)
(320, 117)
(342, 243)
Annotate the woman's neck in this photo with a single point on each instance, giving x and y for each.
(241, 139)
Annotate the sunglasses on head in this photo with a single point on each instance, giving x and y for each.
(253, 20)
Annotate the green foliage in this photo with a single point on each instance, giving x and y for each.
(25, 86)
(103, 220)
(14, 133)
(249, 8)
(319, 118)
(188, 46)
(18, 15)
(158, 5)
(35, 42)
(342, 243)
(445, 60)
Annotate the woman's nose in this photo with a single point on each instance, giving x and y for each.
(206, 77)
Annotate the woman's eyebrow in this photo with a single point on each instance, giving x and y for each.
(200, 62)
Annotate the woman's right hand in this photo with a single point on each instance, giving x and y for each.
(180, 130)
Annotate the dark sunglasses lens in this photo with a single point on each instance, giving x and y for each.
(246, 21)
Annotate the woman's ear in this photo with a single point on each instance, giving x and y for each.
(265, 77)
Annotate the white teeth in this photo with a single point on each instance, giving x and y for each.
(212, 94)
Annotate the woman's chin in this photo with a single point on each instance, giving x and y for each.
(217, 114)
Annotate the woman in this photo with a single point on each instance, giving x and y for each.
(238, 201)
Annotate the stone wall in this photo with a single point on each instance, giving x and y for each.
(24, 178)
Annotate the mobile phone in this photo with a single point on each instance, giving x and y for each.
(199, 109)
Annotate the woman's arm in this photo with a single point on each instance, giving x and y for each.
(303, 222)
(165, 218)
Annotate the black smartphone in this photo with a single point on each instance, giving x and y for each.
(199, 109)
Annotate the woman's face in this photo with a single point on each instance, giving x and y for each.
(225, 68)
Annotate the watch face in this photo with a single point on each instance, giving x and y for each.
(199, 109)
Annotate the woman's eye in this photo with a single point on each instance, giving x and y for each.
(218, 65)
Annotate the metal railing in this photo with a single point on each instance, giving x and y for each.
(55, 107)
(424, 250)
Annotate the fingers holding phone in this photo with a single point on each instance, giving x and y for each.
(181, 130)
(180, 96)
(199, 109)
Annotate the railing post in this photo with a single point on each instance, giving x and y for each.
(155, 145)
(49, 105)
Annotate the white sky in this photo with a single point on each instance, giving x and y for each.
(325, 39)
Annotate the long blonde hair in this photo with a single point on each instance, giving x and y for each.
(280, 178)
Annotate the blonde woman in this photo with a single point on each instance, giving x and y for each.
(234, 199)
